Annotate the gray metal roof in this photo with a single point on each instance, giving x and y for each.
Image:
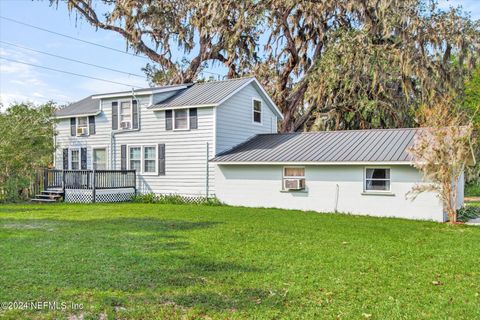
(204, 93)
(82, 107)
(376, 145)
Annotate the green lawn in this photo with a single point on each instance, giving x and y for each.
(131, 261)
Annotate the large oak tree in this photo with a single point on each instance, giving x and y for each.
(328, 64)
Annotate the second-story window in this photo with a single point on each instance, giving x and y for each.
(257, 111)
(180, 119)
(125, 115)
(82, 126)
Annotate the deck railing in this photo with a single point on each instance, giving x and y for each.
(88, 179)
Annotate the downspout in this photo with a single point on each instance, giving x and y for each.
(208, 172)
(337, 190)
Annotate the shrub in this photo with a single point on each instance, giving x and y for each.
(174, 199)
(468, 212)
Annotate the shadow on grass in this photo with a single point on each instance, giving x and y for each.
(166, 258)
(20, 209)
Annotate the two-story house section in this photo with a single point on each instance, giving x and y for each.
(167, 134)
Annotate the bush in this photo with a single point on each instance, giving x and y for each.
(174, 199)
(468, 212)
(472, 190)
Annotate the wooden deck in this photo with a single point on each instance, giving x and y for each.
(86, 185)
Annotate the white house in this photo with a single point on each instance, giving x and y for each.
(220, 138)
(167, 134)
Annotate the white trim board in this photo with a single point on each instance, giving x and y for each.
(78, 115)
(138, 93)
(316, 163)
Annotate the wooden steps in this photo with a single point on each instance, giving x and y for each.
(49, 196)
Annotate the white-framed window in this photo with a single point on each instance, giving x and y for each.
(257, 110)
(99, 158)
(74, 159)
(180, 119)
(149, 159)
(135, 158)
(377, 179)
(293, 178)
(82, 126)
(125, 115)
(143, 159)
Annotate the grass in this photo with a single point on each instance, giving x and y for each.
(152, 261)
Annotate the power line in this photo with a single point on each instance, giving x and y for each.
(68, 72)
(73, 38)
(70, 59)
(87, 42)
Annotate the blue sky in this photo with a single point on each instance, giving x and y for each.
(22, 82)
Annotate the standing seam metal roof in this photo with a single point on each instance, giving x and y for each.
(375, 145)
(204, 93)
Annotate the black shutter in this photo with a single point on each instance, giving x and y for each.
(83, 158)
(134, 114)
(161, 159)
(115, 115)
(123, 157)
(168, 120)
(91, 124)
(73, 127)
(65, 158)
(193, 119)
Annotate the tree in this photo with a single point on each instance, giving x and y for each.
(441, 151)
(327, 64)
(27, 144)
(470, 104)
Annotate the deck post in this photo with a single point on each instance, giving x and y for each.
(64, 179)
(94, 191)
(135, 182)
(45, 179)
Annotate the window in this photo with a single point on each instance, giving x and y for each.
(75, 159)
(135, 159)
(377, 179)
(99, 159)
(125, 115)
(180, 119)
(293, 178)
(82, 126)
(257, 111)
(143, 159)
(149, 159)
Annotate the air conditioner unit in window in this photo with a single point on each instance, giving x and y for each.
(81, 131)
(294, 184)
(125, 125)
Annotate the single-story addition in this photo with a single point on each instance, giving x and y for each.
(366, 172)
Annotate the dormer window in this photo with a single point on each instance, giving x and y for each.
(257, 111)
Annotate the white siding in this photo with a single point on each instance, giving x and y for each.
(100, 139)
(235, 119)
(186, 151)
(260, 186)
